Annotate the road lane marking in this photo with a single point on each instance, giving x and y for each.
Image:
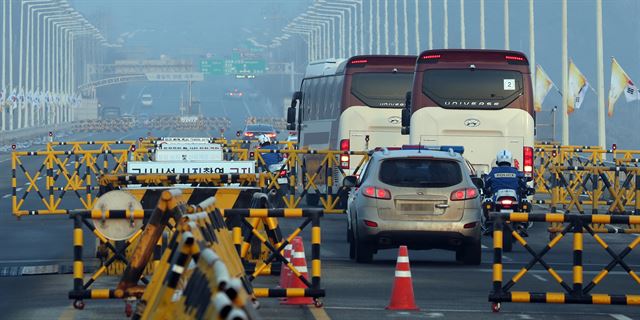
(525, 317)
(529, 313)
(506, 258)
(541, 278)
(68, 314)
(6, 196)
(484, 247)
(618, 316)
(319, 313)
(19, 189)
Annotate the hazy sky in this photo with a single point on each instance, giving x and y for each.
(200, 26)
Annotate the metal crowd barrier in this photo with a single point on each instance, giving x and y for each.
(72, 172)
(577, 293)
(238, 218)
(200, 275)
(83, 290)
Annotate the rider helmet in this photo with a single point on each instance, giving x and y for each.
(504, 157)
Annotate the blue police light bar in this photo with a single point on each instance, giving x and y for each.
(456, 149)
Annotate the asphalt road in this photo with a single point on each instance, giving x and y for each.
(442, 287)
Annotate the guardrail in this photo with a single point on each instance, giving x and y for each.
(577, 293)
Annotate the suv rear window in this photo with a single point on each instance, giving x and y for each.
(381, 89)
(472, 89)
(259, 128)
(420, 173)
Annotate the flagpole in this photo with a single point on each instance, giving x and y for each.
(446, 25)
(482, 45)
(430, 28)
(602, 137)
(462, 32)
(532, 43)
(565, 77)
(506, 24)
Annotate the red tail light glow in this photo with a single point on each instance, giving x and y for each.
(527, 161)
(271, 135)
(506, 202)
(248, 134)
(283, 173)
(376, 193)
(345, 145)
(516, 58)
(470, 225)
(370, 224)
(464, 194)
(431, 56)
(359, 61)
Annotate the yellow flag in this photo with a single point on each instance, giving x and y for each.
(620, 82)
(543, 85)
(578, 86)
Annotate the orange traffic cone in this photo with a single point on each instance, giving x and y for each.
(300, 263)
(402, 293)
(284, 270)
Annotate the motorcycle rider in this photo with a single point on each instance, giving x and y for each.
(269, 158)
(504, 176)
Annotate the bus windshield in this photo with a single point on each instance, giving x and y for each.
(381, 89)
(472, 89)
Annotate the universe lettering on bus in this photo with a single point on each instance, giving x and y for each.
(471, 103)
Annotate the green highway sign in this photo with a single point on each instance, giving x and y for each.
(212, 67)
(232, 67)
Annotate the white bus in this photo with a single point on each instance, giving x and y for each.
(479, 99)
(351, 104)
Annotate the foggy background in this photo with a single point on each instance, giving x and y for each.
(190, 29)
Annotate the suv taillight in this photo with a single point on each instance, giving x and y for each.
(376, 193)
(527, 164)
(464, 194)
(345, 160)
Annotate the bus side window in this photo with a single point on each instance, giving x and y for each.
(335, 113)
(322, 89)
(307, 98)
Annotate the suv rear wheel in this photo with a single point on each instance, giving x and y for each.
(363, 252)
(471, 254)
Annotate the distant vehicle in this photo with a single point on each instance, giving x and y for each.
(479, 99)
(251, 131)
(233, 94)
(127, 116)
(146, 100)
(422, 197)
(110, 113)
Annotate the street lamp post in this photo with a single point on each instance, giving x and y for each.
(338, 14)
(325, 23)
(346, 30)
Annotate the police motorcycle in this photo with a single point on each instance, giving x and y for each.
(277, 165)
(506, 198)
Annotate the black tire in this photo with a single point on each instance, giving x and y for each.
(507, 241)
(352, 244)
(471, 254)
(312, 199)
(363, 251)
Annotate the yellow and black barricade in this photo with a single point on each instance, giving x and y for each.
(576, 293)
(237, 219)
(82, 290)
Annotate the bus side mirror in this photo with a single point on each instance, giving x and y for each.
(406, 121)
(297, 96)
(406, 114)
(291, 118)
